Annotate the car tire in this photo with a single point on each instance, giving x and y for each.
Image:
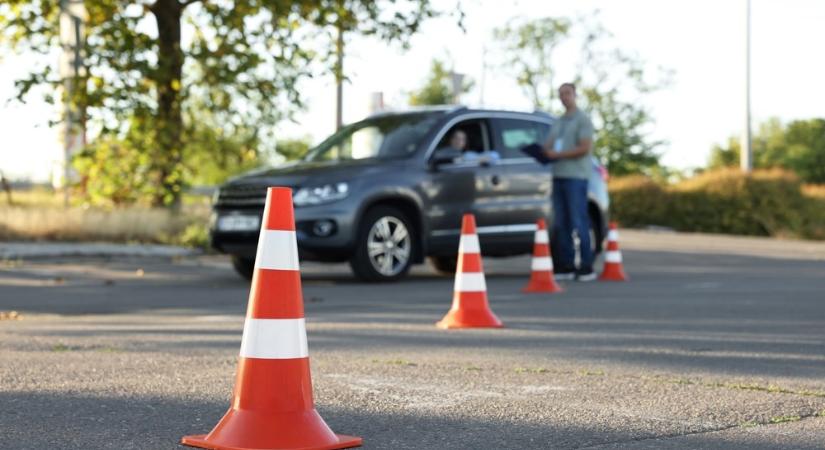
(445, 265)
(245, 267)
(388, 233)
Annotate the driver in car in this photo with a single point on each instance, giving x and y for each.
(458, 141)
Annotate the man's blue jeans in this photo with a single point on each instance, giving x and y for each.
(570, 214)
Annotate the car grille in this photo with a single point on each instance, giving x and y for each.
(241, 196)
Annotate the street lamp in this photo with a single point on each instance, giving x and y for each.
(746, 154)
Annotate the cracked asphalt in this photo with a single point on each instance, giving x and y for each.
(719, 345)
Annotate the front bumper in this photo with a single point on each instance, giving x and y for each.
(335, 247)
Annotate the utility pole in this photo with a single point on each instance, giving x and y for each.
(457, 80)
(746, 156)
(72, 17)
(483, 75)
(339, 77)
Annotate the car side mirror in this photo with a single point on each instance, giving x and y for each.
(444, 155)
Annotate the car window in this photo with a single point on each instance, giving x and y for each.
(390, 136)
(476, 131)
(515, 134)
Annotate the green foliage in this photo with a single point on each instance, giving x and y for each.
(799, 146)
(241, 70)
(529, 49)
(611, 84)
(195, 235)
(438, 88)
(293, 149)
(763, 203)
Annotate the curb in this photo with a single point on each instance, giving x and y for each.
(37, 250)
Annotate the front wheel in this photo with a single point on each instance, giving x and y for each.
(384, 247)
(445, 265)
(244, 266)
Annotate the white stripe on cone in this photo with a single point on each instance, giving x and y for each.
(470, 282)
(469, 244)
(613, 257)
(542, 263)
(277, 250)
(541, 237)
(613, 235)
(274, 339)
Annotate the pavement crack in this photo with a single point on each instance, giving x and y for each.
(775, 420)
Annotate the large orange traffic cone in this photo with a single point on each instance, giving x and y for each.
(272, 406)
(541, 267)
(470, 308)
(613, 270)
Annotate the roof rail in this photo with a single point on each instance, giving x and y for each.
(419, 108)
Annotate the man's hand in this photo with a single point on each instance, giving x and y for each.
(581, 149)
(552, 154)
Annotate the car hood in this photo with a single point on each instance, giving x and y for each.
(303, 173)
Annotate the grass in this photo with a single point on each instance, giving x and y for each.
(39, 215)
(785, 419)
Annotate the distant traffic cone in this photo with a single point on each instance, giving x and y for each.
(541, 267)
(613, 270)
(470, 308)
(272, 405)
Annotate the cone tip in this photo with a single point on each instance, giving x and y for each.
(541, 224)
(468, 224)
(278, 213)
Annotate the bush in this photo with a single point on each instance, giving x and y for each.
(763, 203)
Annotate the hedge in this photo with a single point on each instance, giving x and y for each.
(762, 203)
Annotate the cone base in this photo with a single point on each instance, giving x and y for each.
(256, 430)
(542, 288)
(619, 278)
(469, 319)
(199, 441)
(614, 275)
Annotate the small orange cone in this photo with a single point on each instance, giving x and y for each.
(470, 308)
(613, 270)
(272, 406)
(541, 268)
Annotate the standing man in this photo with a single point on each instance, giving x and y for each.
(569, 146)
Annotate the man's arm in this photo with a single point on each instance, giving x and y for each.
(577, 152)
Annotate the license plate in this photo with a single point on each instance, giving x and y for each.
(239, 223)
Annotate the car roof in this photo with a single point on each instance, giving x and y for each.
(452, 110)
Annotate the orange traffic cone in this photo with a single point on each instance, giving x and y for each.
(613, 270)
(470, 308)
(541, 268)
(272, 406)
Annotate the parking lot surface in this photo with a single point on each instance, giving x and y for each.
(712, 344)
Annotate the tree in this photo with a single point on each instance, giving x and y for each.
(242, 67)
(798, 146)
(438, 88)
(611, 84)
(293, 149)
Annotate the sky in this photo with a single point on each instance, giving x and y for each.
(702, 42)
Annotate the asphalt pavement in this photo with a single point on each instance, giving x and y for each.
(714, 343)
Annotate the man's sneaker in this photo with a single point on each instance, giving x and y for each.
(585, 275)
(564, 275)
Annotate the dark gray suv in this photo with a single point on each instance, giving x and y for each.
(388, 191)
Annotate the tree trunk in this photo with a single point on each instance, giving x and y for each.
(169, 156)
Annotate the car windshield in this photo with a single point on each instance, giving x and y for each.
(385, 137)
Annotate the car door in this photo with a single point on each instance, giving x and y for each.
(465, 185)
(528, 183)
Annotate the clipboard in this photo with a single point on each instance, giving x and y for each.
(536, 152)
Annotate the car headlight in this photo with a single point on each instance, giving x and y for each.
(320, 194)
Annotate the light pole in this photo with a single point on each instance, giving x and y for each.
(339, 77)
(746, 156)
(72, 17)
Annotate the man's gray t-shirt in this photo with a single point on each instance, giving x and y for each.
(572, 129)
